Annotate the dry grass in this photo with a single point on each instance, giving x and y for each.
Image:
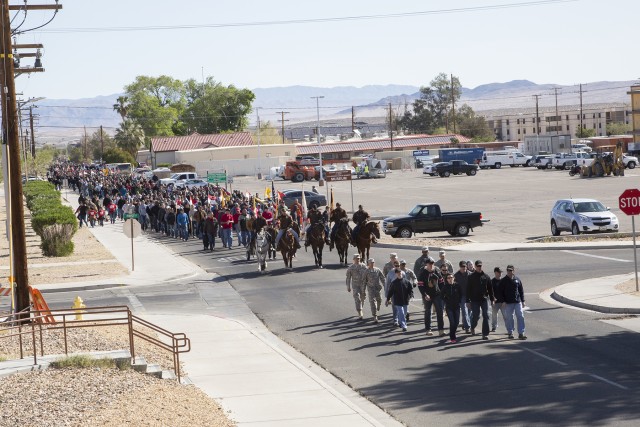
(628, 287)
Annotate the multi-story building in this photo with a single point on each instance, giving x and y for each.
(515, 124)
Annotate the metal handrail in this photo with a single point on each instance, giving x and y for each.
(108, 316)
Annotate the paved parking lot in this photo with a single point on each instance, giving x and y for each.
(517, 201)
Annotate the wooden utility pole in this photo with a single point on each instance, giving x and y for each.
(391, 126)
(33, 138)
(10, 137)
(453, 105)
(581, 125)
(282, 121)
(101, 145)
(555, 91)
(537, 116)
(353, 120)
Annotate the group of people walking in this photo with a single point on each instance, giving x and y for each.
(466, 295)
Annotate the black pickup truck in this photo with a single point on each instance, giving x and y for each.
(455, 167)
(427, 218)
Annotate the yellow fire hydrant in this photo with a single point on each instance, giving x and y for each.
(78, 303)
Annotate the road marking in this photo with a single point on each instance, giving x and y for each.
(134, 302)
(559, 362)
(608, 382)
(597, 256)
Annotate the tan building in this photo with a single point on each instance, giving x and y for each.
(516, 124)
(635, 112)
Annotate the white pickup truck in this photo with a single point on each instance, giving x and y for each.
(179, 179)
(566, 160)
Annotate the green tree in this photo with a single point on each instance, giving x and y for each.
(472, 125)
(117, 155)
(156, 104)
(122, 106)
(433, 108)
(618, 128)
(268, 134)
(214, 108)
(583, 132)
(130, 137)
(95, 145)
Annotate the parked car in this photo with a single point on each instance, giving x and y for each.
(581, 216)
(313, 199)
(456, 167)
(430, 169)
(542, 161)
(427, 218)
(630, 162)
(192, 183)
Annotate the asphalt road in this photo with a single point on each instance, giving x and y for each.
(517, 201)
(573, 370)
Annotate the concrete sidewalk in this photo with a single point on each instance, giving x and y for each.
(598, 294)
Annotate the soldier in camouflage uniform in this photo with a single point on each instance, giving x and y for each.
(374, 280)
(393, 259)
(355, 279)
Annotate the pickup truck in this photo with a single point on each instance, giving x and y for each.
(428, 218)
(566, 160)
(455, 167)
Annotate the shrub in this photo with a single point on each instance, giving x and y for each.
(55, 244)
(84, 361)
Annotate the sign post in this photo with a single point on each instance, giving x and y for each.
(131, 229)
(341, 175)
(629, 203)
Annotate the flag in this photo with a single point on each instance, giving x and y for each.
(267, 193)
(273, 191)
(331, 206)
(304, 208)
(255, 211)
(280, 195)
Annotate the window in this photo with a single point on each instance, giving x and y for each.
(517, 121)
(507, 122)
(568, 128)
(518, 131)
(524, 131)
(287, 153)
(567, 117)
(578, 117)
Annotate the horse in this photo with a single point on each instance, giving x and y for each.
(342, 240)
(316, 239)
(363, 239)
(272, 233)
(287, 246)
(263, 247)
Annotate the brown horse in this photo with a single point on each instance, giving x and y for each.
(342, 239)
(271, 232)
(316, 240)
(287, 246)
(363, 239)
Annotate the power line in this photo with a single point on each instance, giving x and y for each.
(310, 20)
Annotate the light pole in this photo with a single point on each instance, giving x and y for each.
(317, 98)
(258, 129)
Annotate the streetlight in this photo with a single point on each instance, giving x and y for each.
(258, 129)
(317, 98)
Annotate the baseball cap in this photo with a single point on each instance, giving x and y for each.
(478, 262)
(497, 269)
(371, 260)
(402, 262)
(510, 267)
(442, 252)
(393, 254)
(356, 256)
(425, 248)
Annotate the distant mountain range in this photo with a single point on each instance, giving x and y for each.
(62, 120)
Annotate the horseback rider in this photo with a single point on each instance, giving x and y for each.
(337, 214)
(296, 211)
(360, 218)
(315, 218)
(286, 222)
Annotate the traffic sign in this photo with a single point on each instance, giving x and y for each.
(419, 153)
(131, 228)
(629, 201)
(214, 178)
(133, 216)
(344, 175)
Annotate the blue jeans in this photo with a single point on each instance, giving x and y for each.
(182, 231)
(279, 236)
(509, 310)
(466, 317)
(401, 311)
(453, 313)
(83, 218)
(227, 240)
(495, 309)
(475, 315)
(243, 237)
(439, 306)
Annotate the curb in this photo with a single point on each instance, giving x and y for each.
(593, 307)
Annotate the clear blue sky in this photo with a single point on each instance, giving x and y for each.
(551, 42)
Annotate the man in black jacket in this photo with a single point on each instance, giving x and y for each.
(512, 293)
(479, 295)
(430, 282)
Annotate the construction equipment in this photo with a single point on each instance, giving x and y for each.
(300, 170)
(606, 164)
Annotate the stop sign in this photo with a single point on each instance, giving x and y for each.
(629, 201)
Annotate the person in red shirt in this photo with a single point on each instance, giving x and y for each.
(226, 222)
(268, 215)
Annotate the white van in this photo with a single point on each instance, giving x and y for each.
(497, 159)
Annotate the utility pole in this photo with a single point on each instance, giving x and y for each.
(101, 145)
(353, 120)
(10, 137)
(282, 121)
(453, 105)
(537, 115)
(391, 126)
(33, 138)
(581, 125)
(555, 91)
